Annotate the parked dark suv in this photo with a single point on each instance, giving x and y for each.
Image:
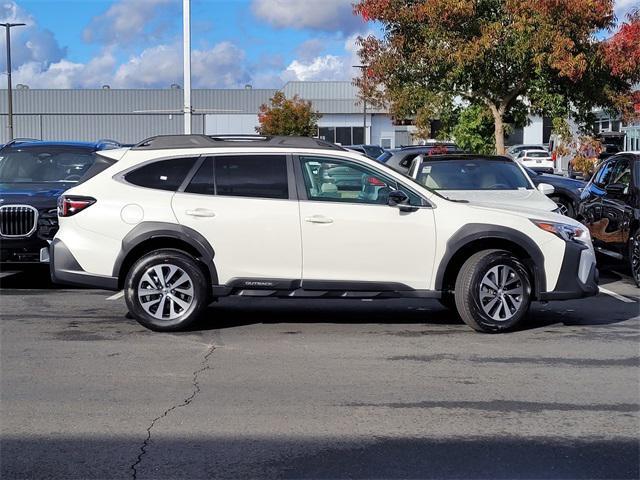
(610, 208)
(33, 174)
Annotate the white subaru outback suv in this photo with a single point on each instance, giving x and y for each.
(178, 221)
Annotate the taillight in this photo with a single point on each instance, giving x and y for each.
(70, 205)
(376, 182)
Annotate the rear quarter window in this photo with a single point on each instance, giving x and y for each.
(162, 175)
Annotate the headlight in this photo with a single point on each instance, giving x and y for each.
(564, 231)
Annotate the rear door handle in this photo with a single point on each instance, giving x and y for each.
(318, 219)
(200, 212)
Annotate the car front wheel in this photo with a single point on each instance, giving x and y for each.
(493, 291)
(166, 290)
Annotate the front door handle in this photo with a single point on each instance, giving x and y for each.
(318, 219)
(200, 212)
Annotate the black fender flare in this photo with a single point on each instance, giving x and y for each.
(149, 230)
(472, 232)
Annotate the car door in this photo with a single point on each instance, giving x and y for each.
(351, 235)
(246, 208)
(617, 212)
(591, 203)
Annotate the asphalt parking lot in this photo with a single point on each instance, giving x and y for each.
(268, 388)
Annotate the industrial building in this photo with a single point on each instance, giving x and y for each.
(129, 115)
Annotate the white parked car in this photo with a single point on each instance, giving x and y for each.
(483, 180)
(537, 160)
(514, 150)
(178, 221)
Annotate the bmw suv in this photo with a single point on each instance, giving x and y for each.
(179, 221)
(33, 174)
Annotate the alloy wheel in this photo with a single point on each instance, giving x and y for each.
(165, 291)
(501, 293)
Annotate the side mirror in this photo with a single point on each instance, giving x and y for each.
(546, 189)
(616, 189)
(397, 198)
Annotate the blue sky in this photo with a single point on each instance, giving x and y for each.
(137, 43)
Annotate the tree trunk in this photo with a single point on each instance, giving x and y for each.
(498, 121)
(499, 134)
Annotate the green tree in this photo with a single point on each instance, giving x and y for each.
(473, 131)
(285, 116)
(509, 55)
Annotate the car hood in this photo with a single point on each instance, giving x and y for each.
(519, 200)
(566, 182)
(35, 194)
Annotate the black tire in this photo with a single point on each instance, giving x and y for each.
(566, 204)
(171, 299)
(470, 282)
(634, 256)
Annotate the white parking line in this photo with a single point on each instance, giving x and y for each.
(7, 274)
(118, 295)
(616, 295)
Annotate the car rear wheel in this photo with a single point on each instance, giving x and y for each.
(166, 290)
(493, 291)
(634, 256)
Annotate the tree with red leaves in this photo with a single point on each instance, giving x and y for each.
(506, 55)
(285, 116)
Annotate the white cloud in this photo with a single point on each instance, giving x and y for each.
(328, 15)
(129, 20)
(30, 43)
(66, 74)
(218, 67)
(326, 67)
(622, 7)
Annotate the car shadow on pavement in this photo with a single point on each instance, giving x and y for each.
(237, 312)
(194, 457)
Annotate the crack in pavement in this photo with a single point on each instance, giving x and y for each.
(196, 390)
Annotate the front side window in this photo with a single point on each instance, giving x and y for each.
(263, 176)
(162, 175)
(603, 176)
(337, 180)
(480, 174)
(621, 173)
(44, 165)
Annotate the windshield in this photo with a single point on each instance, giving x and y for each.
(44, 166)
(475, 174)
(385, 156)
(537, 154)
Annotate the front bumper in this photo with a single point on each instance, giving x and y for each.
(65, 269)
(21, 250)
(578, 274)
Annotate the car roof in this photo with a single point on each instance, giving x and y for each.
(466, 156)
(32, 143)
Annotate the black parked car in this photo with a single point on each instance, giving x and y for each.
(610, 208)
(566, 193)
(401, 159)
(371, 151)
(33, 174)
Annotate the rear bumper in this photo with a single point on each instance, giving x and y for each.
(65, 269)
(578, 275)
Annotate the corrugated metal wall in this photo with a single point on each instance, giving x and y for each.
(129, 116)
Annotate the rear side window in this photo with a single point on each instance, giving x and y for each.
(261, 176)
(163, 175)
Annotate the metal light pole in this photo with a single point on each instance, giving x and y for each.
(186, 54)
(7, 27)
(364, 101)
